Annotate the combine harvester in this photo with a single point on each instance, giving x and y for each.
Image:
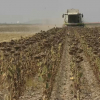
(73, 18)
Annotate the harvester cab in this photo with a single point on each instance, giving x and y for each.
(73, 18)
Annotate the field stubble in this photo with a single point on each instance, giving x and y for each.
(36, 57)
(52, 65)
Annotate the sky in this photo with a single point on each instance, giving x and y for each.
(12, 11)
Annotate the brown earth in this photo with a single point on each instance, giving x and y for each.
(64, 87)
(66, 63)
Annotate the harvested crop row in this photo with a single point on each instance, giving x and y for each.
(91, 43)
(89, 40)
(75, 79)
(27, 57)
(76, 69)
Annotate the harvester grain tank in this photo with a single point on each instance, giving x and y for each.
(73, 18)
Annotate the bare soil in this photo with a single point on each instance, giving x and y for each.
(68, 84)
(62, 87)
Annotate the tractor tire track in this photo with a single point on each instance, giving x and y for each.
(91, 80)
(61, 90)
